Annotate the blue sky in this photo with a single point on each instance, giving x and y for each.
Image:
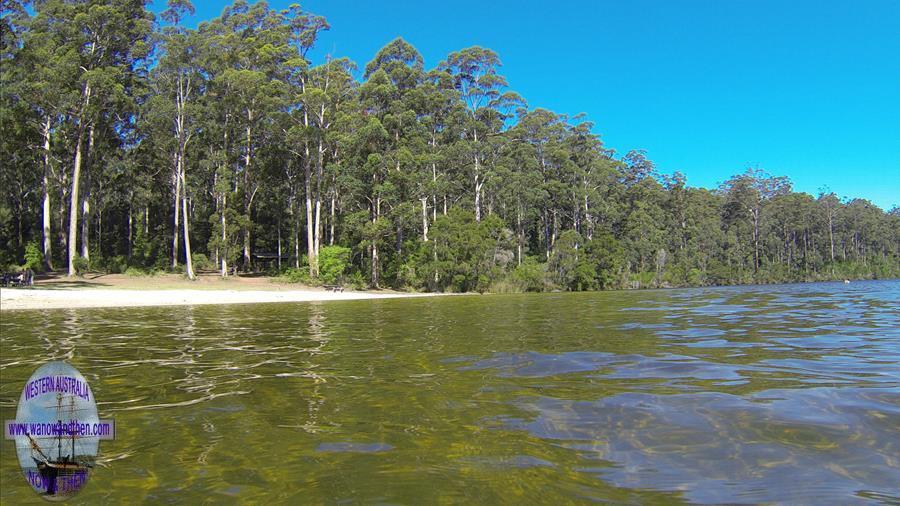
(807, 89)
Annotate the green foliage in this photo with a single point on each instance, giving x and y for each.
(530, 275)
(7, 247)
(437, 179)
(333, 262)
(356, 280)
(467, 256)
(505, 286)
(608, 257)
(201, 262)
(82, 265)
(34, 258)
(566, 268)
(641, 279)
(134, 271)
(293, 275)
(117, 264)
(682, 274)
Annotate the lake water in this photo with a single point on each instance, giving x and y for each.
(785, 394)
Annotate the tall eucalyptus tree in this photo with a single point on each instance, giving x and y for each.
(100, 48)
(181, 80)
(475, 71)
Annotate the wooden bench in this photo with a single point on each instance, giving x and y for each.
(334, 288)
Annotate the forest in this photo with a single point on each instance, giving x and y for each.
(131, 143)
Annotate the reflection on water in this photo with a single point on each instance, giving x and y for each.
(784, 394)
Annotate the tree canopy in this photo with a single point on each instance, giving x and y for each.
(128, 140)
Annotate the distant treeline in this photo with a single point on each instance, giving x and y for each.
(134, 142)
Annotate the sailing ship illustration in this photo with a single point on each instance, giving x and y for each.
(67, 465)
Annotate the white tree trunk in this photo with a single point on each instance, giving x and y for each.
(176, 205)
(310, 245)
(519, 234)
(184, 210)
(331, 223)
(317, 232)
(589, 219)
(831, 236)
(424, 218)
(182, 137)
(73, 195)
(247, 200)
(130, 230)
(375, 244)
(86, 201)
(48, 252)
(374, 263)
(296, 248)
(73, 208)
(85, 226)
(279, 245)
(433, 180)
(224, 265)
(477, 182)
(317, 237)
(477, 193)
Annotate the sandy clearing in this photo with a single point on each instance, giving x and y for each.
(25, 298)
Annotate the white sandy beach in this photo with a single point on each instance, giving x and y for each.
(25, 298)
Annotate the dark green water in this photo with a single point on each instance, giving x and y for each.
(787, 394)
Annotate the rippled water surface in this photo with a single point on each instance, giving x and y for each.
(787, 394)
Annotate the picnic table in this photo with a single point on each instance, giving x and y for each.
(12, 279)
(334, 288)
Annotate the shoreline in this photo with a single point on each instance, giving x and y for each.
(115, 291)
(56, 291)
(25, 299)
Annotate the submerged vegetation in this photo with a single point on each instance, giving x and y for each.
(134, 144)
